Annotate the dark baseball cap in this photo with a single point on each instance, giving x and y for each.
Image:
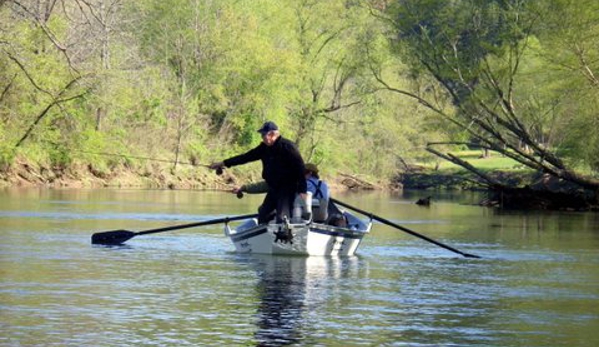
(268, 126)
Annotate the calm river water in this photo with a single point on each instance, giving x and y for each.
(536, 285)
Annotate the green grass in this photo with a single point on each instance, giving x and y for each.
(492, 163)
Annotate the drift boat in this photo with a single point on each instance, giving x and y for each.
(299, 237)
(303, 237)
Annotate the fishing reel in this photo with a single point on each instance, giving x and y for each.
(284, 234)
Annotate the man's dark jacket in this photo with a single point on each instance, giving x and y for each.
(282, 164)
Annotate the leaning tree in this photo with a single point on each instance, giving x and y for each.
(489, 62)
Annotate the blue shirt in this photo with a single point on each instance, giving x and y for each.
(318, 192)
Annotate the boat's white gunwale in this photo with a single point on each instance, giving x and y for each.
(312, 227)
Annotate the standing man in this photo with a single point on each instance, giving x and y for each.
(282, 169)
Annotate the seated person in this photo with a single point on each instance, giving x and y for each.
(320, 193)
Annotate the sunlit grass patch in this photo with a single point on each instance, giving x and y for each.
(493, 162)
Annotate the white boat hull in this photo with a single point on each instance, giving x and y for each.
(308, 238)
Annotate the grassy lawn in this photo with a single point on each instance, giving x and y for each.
(494, 162)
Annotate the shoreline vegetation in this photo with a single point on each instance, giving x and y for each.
(148, 175)
(535, 191)
(381, 95)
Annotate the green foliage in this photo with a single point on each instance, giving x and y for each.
(507, 67)
(60, 158)
(569, 50)
(451, 39)
(7, 152)
(196, 79)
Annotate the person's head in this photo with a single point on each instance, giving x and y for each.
(311, 170)
(270, 133)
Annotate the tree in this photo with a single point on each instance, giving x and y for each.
(328, 79)
(41, 69)
(569, 33)
(197, 78)
(479, 53)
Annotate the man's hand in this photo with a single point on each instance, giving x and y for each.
(218, 166)
(238, 191)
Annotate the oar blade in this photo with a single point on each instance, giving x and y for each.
(468, 255)
(110, 238)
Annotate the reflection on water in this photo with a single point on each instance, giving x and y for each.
(288, 286)
(537, 284)
(281, 291)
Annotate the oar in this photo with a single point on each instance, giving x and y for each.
(117, 237)
(411, 232)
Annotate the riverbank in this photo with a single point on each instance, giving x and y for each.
(156, 176)
(523, 190)
(161, 176)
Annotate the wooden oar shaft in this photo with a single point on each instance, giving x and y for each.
(117, 237)
(197, 224)
(411, 232)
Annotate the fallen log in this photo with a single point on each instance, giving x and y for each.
(353, 182)
(528, 198)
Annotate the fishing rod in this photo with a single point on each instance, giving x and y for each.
(219, 171)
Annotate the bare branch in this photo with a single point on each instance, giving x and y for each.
(29, 77)
(337, 107)
(5, 91)
(55, 101)
(586, 70)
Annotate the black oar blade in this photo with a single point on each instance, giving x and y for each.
(115, 237)
(468, 255)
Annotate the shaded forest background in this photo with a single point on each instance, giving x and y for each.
(367, 87)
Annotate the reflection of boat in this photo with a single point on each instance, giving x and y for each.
(290, 286)
(302, 238)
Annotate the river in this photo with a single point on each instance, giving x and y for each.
(537, 283)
